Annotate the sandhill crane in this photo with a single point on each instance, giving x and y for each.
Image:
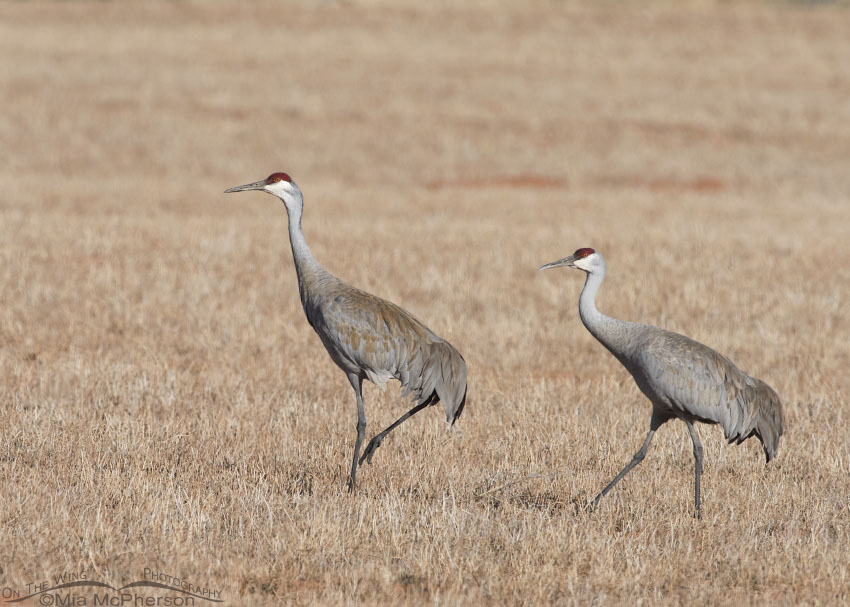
(681, 377)
(366, 336)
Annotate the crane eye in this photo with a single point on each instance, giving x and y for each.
(585, 252)
(276, 177)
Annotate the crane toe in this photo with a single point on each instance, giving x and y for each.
(369, 451)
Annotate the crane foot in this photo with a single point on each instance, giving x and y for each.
(369, 451)
(591, 506)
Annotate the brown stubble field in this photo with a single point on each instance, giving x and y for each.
(165, 405)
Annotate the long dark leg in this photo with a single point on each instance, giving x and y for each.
(697, 464)
(357, 384)
(654, 424)
(376, 441)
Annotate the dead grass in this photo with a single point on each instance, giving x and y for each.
(165, 405)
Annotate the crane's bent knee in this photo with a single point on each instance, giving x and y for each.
(638, 457)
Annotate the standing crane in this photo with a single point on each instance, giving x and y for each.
(681, 377)
(366, 336)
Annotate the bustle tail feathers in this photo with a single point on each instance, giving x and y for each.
(766, 419)
(770, 420)
(443, 378)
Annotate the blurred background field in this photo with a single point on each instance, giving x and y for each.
(165, 403)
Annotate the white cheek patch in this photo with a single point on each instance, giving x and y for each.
(278, 188)
(585, 263)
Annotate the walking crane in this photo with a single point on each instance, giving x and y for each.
(366, 336)
(681, 377)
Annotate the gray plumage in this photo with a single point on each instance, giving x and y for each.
(366, 336)
(681, 377)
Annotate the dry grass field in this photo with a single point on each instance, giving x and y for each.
(166, 407)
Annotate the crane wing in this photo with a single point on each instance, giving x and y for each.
(696, 381)
(372, 336)
(372, 332)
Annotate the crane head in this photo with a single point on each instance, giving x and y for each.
(279, 184)
(584, 259)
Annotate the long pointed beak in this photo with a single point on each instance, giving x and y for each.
(566, 261)
(257, 185)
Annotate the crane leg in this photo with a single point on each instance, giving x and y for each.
(369, 451)
(376, 441)
(357, 384)
(655, 423)
(697, 465)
